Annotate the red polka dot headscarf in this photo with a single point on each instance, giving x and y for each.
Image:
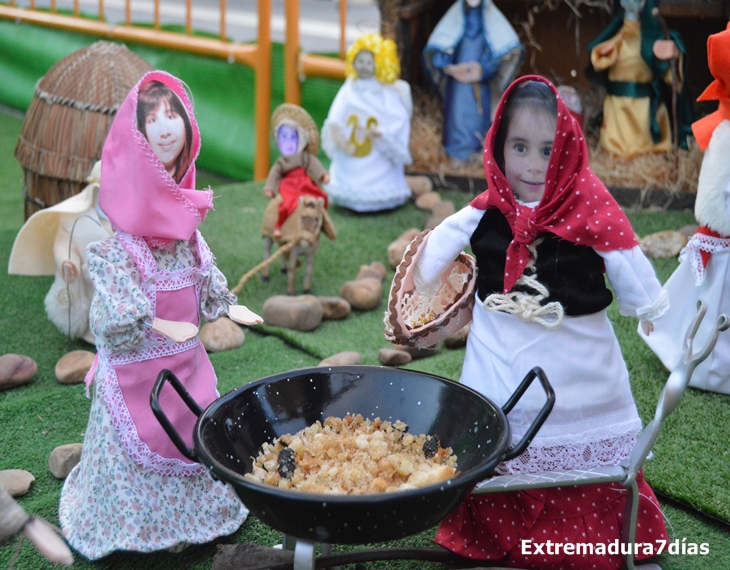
(576, 205)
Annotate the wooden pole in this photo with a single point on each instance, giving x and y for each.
(262, 103)
(292, 89)
(343, 26)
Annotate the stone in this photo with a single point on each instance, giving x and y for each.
(334, 308)
(428, 200)
(458, 339)
(375, 269)
(439, 213)
(16, 481)
(417, 353)
(342, 359)
(664, 244)
(393, 357)
(363, 294)
(72, 367)
(300, 313)
(419, 184)
(64, 458)
(689, 230)
(444, 209)
(221, 335)
(397, 248)
(16, 370)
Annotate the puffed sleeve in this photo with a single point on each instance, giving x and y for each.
(605, 54)
(637, 288)
(215, 298)
(445, 242)
(119, 308)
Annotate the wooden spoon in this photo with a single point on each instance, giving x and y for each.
(243, 315)
(175, 330)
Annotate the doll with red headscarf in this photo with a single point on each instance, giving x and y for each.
(544, 235)
(704, 269)
(133, 490)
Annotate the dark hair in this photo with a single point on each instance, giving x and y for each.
(534, 94)
(153, 93)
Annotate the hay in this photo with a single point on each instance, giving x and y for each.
(69, 117)
(675, 172)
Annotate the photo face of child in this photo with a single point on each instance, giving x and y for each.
(527, 151)
(364, 64)
(287, 139)
(165, 131)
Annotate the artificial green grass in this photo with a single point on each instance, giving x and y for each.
(690, 461)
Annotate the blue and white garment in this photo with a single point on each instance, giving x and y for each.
(465, 34)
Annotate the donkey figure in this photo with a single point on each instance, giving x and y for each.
(299, 234)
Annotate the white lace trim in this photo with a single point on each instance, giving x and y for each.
(702, 242)
(153, 346)
(655, 310)
(596, 448)
(137, 449)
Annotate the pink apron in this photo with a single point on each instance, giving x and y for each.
(127, 377)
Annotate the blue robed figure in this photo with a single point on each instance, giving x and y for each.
(472, 56)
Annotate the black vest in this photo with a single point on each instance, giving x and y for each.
(573, 274)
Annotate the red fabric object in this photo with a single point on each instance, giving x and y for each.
(576, 205)
(296, 183)
(718, 60)
(494, 526)
(705, 255)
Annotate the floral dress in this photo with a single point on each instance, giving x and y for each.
(132, 489)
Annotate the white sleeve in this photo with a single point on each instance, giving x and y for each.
(445, 242)
(632, 277)
(726, 194)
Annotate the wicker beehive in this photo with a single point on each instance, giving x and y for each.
(68, 120)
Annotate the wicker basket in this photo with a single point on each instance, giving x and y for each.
(68, 120)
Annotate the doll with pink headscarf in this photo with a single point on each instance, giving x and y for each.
(133, 490)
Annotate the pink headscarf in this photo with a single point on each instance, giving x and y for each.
(576, 206)
(137, 193)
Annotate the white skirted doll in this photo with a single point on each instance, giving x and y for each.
(543, 234)
(704, 268)
(53, 242)
(472, 55)
(367, 130)
(154, 279)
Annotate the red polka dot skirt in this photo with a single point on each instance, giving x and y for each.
(494, 526)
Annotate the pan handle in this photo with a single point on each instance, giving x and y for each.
(167, 375)
(536, 372)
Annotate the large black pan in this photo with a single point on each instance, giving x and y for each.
(229, 433)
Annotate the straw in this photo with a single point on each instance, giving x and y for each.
(69, 117)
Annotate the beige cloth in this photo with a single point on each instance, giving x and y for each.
(47, 239)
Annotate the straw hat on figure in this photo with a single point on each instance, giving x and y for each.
(704, 269)
(367, 130)
(53, 242)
